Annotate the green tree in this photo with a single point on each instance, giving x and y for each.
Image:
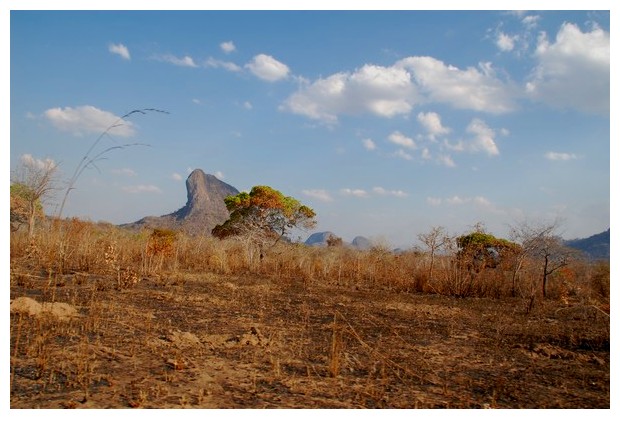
(479, 250)
(265, 215)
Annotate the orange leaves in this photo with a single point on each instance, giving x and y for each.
(264, 209)
(161, 242)
(265, 197)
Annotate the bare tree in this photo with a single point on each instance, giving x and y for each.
(542, 242)
(31, 183)
(434, 241)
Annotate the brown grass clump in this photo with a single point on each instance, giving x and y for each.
(165, 320)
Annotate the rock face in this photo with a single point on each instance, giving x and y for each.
(204, 209)
(361, 243)
(319, 238)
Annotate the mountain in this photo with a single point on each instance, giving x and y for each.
(595, 247)
(319, 238)
(204, 209)
(361, 243)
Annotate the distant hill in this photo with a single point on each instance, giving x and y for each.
(595, 247)
(204, 209)
(320, 239)
(361, 243)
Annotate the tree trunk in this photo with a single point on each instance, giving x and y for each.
(430, 270)
(31, 218)
(545, 274)
(515, 273)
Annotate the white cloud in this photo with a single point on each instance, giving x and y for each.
(248, 105)
(322, 100)
(318, 194)
(379, 88)
(219, 175)
(185, 61)
(362, 193)
(530, 21)
(226, 65)
(177, 177)
(456, 200)
(573, 72)
(138, 189)
(482, 201)
(517, 44)
(228, 47)
(379, 190)
(40, 164)
(431, 121)
(395, 90)
(445, 159)
(433, 201)
(381, 91)
(402, 140)
(196, 101)
(474, 88)
(560, 156)
(369, 144)
(404, 155)
(505, 42)
(354, 192)
(268, 68)
(395, 193)
(88, 119)
(119, 49)
(125, 172)
(483, 139)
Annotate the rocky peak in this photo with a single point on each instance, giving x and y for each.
(205, 195)
(319, 238)
(204, 209)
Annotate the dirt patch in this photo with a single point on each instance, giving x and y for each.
(250, 342)
(30, 307)
(251, 338)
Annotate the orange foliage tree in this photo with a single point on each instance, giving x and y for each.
(264, 213)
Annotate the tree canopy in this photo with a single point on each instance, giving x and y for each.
(484, 250)
(264, 212)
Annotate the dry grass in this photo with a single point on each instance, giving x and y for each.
(207, 325)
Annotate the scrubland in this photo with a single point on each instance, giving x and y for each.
(164, 320)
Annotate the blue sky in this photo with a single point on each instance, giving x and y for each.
(387, 123)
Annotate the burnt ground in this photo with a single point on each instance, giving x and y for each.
(215, 341)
